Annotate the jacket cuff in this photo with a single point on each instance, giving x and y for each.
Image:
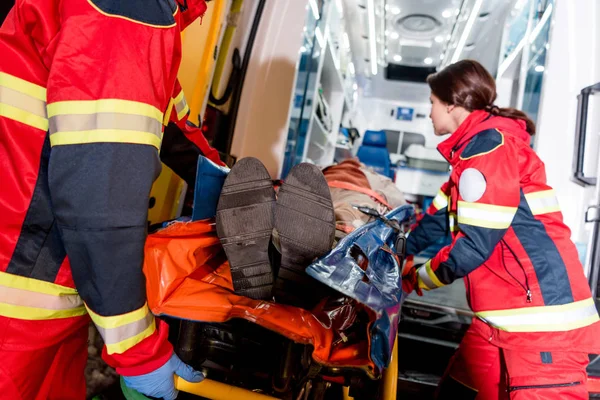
(147, 356)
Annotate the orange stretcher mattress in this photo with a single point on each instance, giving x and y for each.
(188, 277)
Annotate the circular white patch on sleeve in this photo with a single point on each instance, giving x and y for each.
(471, 185)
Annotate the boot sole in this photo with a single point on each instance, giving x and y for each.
(244, 224)
(305, 223)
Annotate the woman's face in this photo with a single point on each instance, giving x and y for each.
(443, 123)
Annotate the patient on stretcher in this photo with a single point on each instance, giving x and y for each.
(271, 235)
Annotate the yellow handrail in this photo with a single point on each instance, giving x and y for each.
(347, 394)
(204, 78)
(218, 391)
(389, 379)
(390, 375)
(223, 57)
(221, 391)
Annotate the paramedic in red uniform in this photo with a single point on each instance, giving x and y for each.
(86, 87)
(535, 319)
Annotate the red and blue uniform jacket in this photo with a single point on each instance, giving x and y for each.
(86, 88)
(522, 272)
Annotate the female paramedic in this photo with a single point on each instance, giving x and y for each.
(535, 319)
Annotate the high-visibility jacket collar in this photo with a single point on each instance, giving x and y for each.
(478, 121)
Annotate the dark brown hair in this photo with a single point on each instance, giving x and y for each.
(469, 85)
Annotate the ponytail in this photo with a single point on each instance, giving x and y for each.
(512, 113)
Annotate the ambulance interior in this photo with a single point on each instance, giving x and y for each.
(328, 80)
(322, 81)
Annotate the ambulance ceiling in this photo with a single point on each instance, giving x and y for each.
(419, 36)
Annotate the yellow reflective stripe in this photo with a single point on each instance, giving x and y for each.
(485, 215)
(542, 202)
(105, 136)
(181, 106)
(23, 86)
(539, 309)
(121, 332)
(34, 285)
(432, 275)
(452, 222)
(426, 277)
(104, 121)
(23, 117)
(126, 344)
(483, 224)
(167, 116)
(440, 201)
(179, 97)
(23, 101)
(552, 327)
(423, 280)
(116, 121)
(542, 194)
(119, 320)
(34, 313)
(543, 319)
(104, 106)
(116, 335)
(487, 207)
(20, 297)
(32, 299)
(183, 112)
(545, 210)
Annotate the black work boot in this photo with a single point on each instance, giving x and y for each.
(304, 230)
(244, 225)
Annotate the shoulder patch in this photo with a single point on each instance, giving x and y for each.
(483, 143)
(157, 13)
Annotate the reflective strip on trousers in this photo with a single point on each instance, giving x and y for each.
(542, 202)
(23, 101)
(485, 215)
(31, 299)
(104, 121)
(121, 332)
(543, 319)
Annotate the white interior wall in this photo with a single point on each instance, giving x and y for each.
(263, 118)
(573, 63)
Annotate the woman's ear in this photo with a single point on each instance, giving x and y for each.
(450, 108)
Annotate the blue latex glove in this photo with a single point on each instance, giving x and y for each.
(161, 382)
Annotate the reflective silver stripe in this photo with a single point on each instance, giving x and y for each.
(543, 319)
(424, 276)
(113, 121)
(485, 215)
(180, 106)
(440, 201)
(31, 299)
(452, 222)
(22, 101)
(26, 298)
(542, 202)
(123, 332)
